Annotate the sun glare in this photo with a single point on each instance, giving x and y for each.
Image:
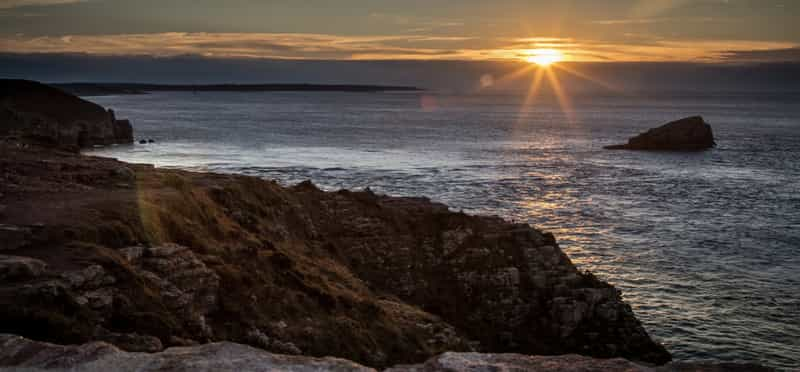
(544, 57)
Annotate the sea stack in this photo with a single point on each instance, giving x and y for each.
(687, 134)
(45, 115)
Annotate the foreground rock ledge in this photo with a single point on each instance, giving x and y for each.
(688, 134)
(17, 353)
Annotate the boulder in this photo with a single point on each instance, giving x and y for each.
(688, 134)
(15, 267)
(48, 116)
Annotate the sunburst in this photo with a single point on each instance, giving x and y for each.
(545, 65)
(544, 57)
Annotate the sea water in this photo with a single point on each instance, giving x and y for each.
(705, 245)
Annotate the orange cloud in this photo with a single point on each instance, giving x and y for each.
(426, 47)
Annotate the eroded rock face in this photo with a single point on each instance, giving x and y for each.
(182, 283)
(46, 115)
(688, 134)
(508, 287)
(187, 286)
(17, 353)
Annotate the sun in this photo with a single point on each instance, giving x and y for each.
(544, 57)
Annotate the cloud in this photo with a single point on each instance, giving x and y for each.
(770, 55)
(628, 21)
(8, 4)
(649, 8)
(392, 47)
(247, 45)
(657, 20)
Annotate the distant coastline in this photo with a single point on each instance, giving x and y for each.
(103, 89)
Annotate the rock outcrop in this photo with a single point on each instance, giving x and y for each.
(46, 115)
(147, 259)
(688, 134)
(17, 353)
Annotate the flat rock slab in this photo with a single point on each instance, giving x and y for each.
(17, 353)
(21, 354)
(688, 134)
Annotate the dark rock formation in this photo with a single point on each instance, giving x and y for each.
(508, 287)
(46, 115)
(149, 258)
(688, 134)
(17, 353)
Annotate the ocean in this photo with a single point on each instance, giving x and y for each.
(705, 245)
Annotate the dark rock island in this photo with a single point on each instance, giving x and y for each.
(150, 259)
(688, 134)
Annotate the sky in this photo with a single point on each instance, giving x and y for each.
(701, 31)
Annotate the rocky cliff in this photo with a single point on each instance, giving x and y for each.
(42, 114)
(94, 249)
(17, 353)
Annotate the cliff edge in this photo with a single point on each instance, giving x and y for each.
(42, 114)
(94, 249)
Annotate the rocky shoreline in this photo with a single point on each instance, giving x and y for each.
(147, 259)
